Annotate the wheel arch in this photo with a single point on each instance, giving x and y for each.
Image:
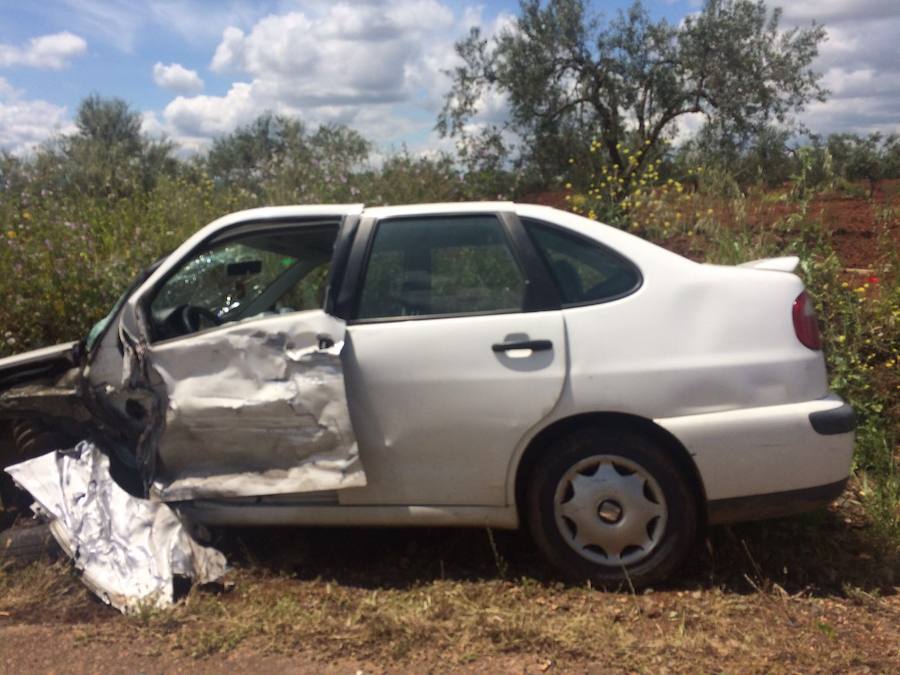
(545, 438)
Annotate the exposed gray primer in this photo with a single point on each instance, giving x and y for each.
(253, 412)
(128, 549)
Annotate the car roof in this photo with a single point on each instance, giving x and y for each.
(639, 250)
(293, 211)
(437, 208)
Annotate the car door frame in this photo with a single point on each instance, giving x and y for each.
(117, 368)
(541, 295)
(347, 276)
(148, 292)
(541, 292)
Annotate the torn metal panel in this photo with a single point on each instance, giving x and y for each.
(137, 389)
(38, 364)
(39, 400)
(254, 408)
(129, 550)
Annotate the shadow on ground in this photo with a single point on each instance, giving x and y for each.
(823, 554)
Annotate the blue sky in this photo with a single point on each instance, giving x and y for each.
(198, 69)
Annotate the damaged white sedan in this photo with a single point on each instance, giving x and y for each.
(480, 364)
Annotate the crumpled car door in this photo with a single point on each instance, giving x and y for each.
(254, 408)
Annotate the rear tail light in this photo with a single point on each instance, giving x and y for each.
(806, 326)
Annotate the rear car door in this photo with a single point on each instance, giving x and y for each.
(246, 367)
(455, 348)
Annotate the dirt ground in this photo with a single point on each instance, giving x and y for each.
(855, 222)
(816, 593)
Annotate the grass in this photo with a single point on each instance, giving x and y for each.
(816, 588)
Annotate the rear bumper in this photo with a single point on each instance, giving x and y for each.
(769, 461)
(774, 505)
(840, 420)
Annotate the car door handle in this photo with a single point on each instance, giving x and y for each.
(533, 345)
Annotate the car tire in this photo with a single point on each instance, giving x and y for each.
(21, 546)
(612, 507)
(27, 439)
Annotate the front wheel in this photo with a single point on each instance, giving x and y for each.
(612, 507)
(21, 440)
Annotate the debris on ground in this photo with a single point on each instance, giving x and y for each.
(130, 551)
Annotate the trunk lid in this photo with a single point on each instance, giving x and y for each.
(787, 263)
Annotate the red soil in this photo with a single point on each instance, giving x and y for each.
(861, 228)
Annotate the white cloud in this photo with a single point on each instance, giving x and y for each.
(858, 61)
(27, 123)
(350, 54)
(46, 51)
(176, 77)
(122, 23)
(379, 66)
(213, 115)
(828, 11)
(376, 66)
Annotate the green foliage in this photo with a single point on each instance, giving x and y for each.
(108, 156)
(83, 215)
(869, 158)
(774, 156)
(404, 179)
(275, 157)
(763, 158)
(569, 78)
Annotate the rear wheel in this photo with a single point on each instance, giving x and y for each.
(612, 507)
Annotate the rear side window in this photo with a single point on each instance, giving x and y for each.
(437, 266)
(584, 271)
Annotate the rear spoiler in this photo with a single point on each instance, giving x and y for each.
(785, 264)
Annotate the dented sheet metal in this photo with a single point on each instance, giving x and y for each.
(254, 409)
(130, 550)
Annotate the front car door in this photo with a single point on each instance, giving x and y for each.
(245, 364)
(455, 348)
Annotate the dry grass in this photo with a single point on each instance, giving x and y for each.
(793, 595)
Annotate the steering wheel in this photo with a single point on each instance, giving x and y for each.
(192, 317)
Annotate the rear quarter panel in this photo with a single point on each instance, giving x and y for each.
(692, 339)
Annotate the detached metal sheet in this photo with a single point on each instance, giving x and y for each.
(255, 408)
(128, 549)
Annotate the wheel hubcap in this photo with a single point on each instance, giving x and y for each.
(610, 510)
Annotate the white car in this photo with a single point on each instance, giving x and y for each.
(476, 364)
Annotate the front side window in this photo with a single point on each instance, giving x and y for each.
(433, 266)
(279, 271)
(583, 270)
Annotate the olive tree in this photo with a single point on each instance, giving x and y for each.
(108, 155)
(570, 77)
(870, 158)
(277, 157)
